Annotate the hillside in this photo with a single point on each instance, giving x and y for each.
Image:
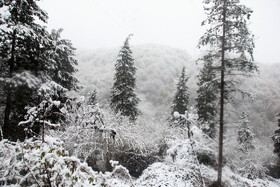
(158, 68)
(157, 71)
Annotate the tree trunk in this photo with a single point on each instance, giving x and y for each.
(220, 156)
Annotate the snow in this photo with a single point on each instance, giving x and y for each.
(161, 174)
(176, 115)
(50, 88)
(40, 157)
(56, 103)
(186, 172)
(181, 171)
(24, 78)
(114, 163)
(179, 167)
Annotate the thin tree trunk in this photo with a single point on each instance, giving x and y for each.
(220, 156)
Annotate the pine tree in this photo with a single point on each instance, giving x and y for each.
(276, 139)
(123, 97)
(245, 136)
(207, 97)
(22, 41)
(62, 61)
(232, 45)
(30, 57)
(181, 99)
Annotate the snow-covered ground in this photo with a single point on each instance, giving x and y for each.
(33, 163)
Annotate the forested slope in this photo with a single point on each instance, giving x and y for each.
(157, 70)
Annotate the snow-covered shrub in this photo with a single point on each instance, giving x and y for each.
(9, 170)
(253, 164)
(98, 136)
(183, 170)
(202, 143)
(186, 171)
(244, 155)
(118, 177)
(33, 163)
(83, 130)
(39, 117)
(252, 169)
(189, 151)
(204, 147)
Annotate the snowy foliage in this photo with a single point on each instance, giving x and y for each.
(83, 124)
(243, 154)
(25, 78)
(50, 89)
(202, 144)
(183, 163)
(207, 96)
(156, 85)
(62, 61)
(185, 171)
(181, 98)
(20, 16)
(123, 97)
(42, 113)
(98, 136)
(239, 43)
(180, 167)
(184, 155)
(30, 56)
(92, 100)
(33, 163)
(245, 137)
(250, 164)
(232, 47)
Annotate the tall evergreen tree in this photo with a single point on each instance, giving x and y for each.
(62, 61)
(207, 97)
(181, 100)
(21, 43)
(232, 43)
(30, 56)
(123, 97)
(276, 139)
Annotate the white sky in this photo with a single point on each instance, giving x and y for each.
(91, 24)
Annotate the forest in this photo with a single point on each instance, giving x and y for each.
(136, 115)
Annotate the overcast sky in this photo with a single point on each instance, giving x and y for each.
(91, 24)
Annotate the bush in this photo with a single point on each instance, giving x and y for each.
(87, 133)
(33, 162)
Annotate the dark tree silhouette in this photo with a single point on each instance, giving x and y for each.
(123, 97)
